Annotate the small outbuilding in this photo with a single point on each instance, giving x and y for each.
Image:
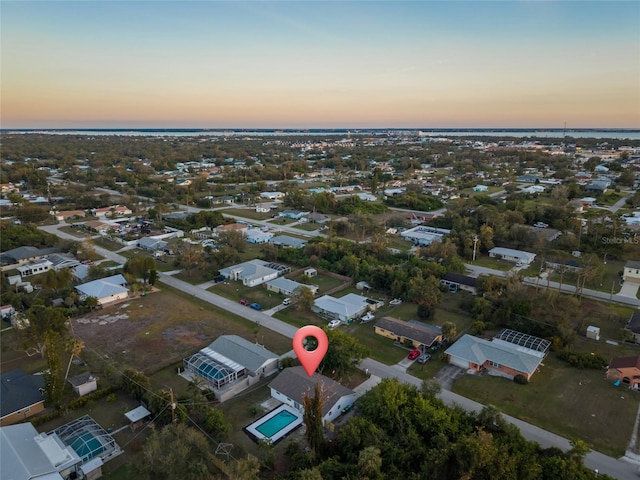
(137, 417)
(593, 332)
(83, 383)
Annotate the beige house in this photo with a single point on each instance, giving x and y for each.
(631, 272)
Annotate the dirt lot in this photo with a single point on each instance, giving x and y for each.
(152, 332)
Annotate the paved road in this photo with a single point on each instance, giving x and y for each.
(605, 464)
(108, 254)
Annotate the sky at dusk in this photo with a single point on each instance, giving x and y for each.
(315, 64)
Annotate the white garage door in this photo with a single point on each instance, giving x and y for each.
(459, 362)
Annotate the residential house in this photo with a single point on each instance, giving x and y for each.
(272, 195)
(345, 308)
(458, 281)
(25, 254)
(512, 255)
(424, 236)
(257, 235)
(114, 210)
(633, 325)
(367, 197)
(598, 186)
(105, 290)
(231, 364)
(509, 354)
(293, 214)
(293, 384)
(35, 268)
(152, 244)
(100, 226)
(21, 396)
(288, 241)
(625, 369)
(83, 383)
(26, 454)
(63, 260)
(420, 335)
(527, 179)
(631, 272)
(480, 188)
(6, 311)
(315, 217)
(68, 215)
(183, 182)
(253, 272)
(532, 189)
(263, 208)
(231, 227)
(564, 265)
(288, 287)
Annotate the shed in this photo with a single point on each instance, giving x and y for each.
(136, 417)
(84, 383)
(593, 332)
(311, 272)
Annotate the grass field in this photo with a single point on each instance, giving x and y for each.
(609, 278)
(108, 244)
(496, 263)
(259, 294)
(570, 402)
(153, 332)
(247, 213)
(76, 232)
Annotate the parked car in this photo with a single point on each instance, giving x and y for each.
(256, 306)
(424, 358)
(367, 318)
(413, 354)
(244, 302)
(286, 301)
(334, 323)
(395, 301)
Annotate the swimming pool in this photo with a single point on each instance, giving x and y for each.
(275, 425)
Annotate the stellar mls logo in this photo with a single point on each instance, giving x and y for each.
(621, 240)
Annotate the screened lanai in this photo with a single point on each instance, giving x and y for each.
(213, 368)
(88, 439)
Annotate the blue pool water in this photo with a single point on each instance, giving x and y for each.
(276, 423)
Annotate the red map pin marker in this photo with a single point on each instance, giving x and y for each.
(310, 359)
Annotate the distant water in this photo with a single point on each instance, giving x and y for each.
(630, 134)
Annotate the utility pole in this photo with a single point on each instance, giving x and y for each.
(173, 406)
(475, 242)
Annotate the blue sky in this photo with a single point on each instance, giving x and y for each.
(320, 64)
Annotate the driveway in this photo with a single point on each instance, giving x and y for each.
(448, 375)
(629, 289)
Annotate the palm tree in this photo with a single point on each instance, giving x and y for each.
(76, 348)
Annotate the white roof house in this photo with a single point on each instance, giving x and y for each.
(230, 364)
(26, 454)
(288, 287)
(105, 290)
(499, 357)
(512, 255)
(253, 272)
(344, 308)
(422, 235)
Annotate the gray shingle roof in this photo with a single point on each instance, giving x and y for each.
(18, 391)
(478, 351)
(243, 352)
(419, 332)
(294, 383)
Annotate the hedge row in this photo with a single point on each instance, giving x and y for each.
(73, 405)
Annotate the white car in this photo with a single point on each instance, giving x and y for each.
(334, 323)
(395, 301)
(367, 318)
(286, 301)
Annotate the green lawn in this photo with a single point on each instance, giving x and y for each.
(76, 232)
(570, 402)
(323, 282)
(495, 263)
(610, 277)
(108, 244)
(247, 213)
(259, 294)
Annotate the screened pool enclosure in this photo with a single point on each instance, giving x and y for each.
(215, 369)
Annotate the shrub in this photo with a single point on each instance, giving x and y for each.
(582, 360)
(520, 380)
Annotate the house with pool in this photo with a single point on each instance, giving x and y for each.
(230, 364)
(293, 383)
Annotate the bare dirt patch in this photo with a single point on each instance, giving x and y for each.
(152, 332)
